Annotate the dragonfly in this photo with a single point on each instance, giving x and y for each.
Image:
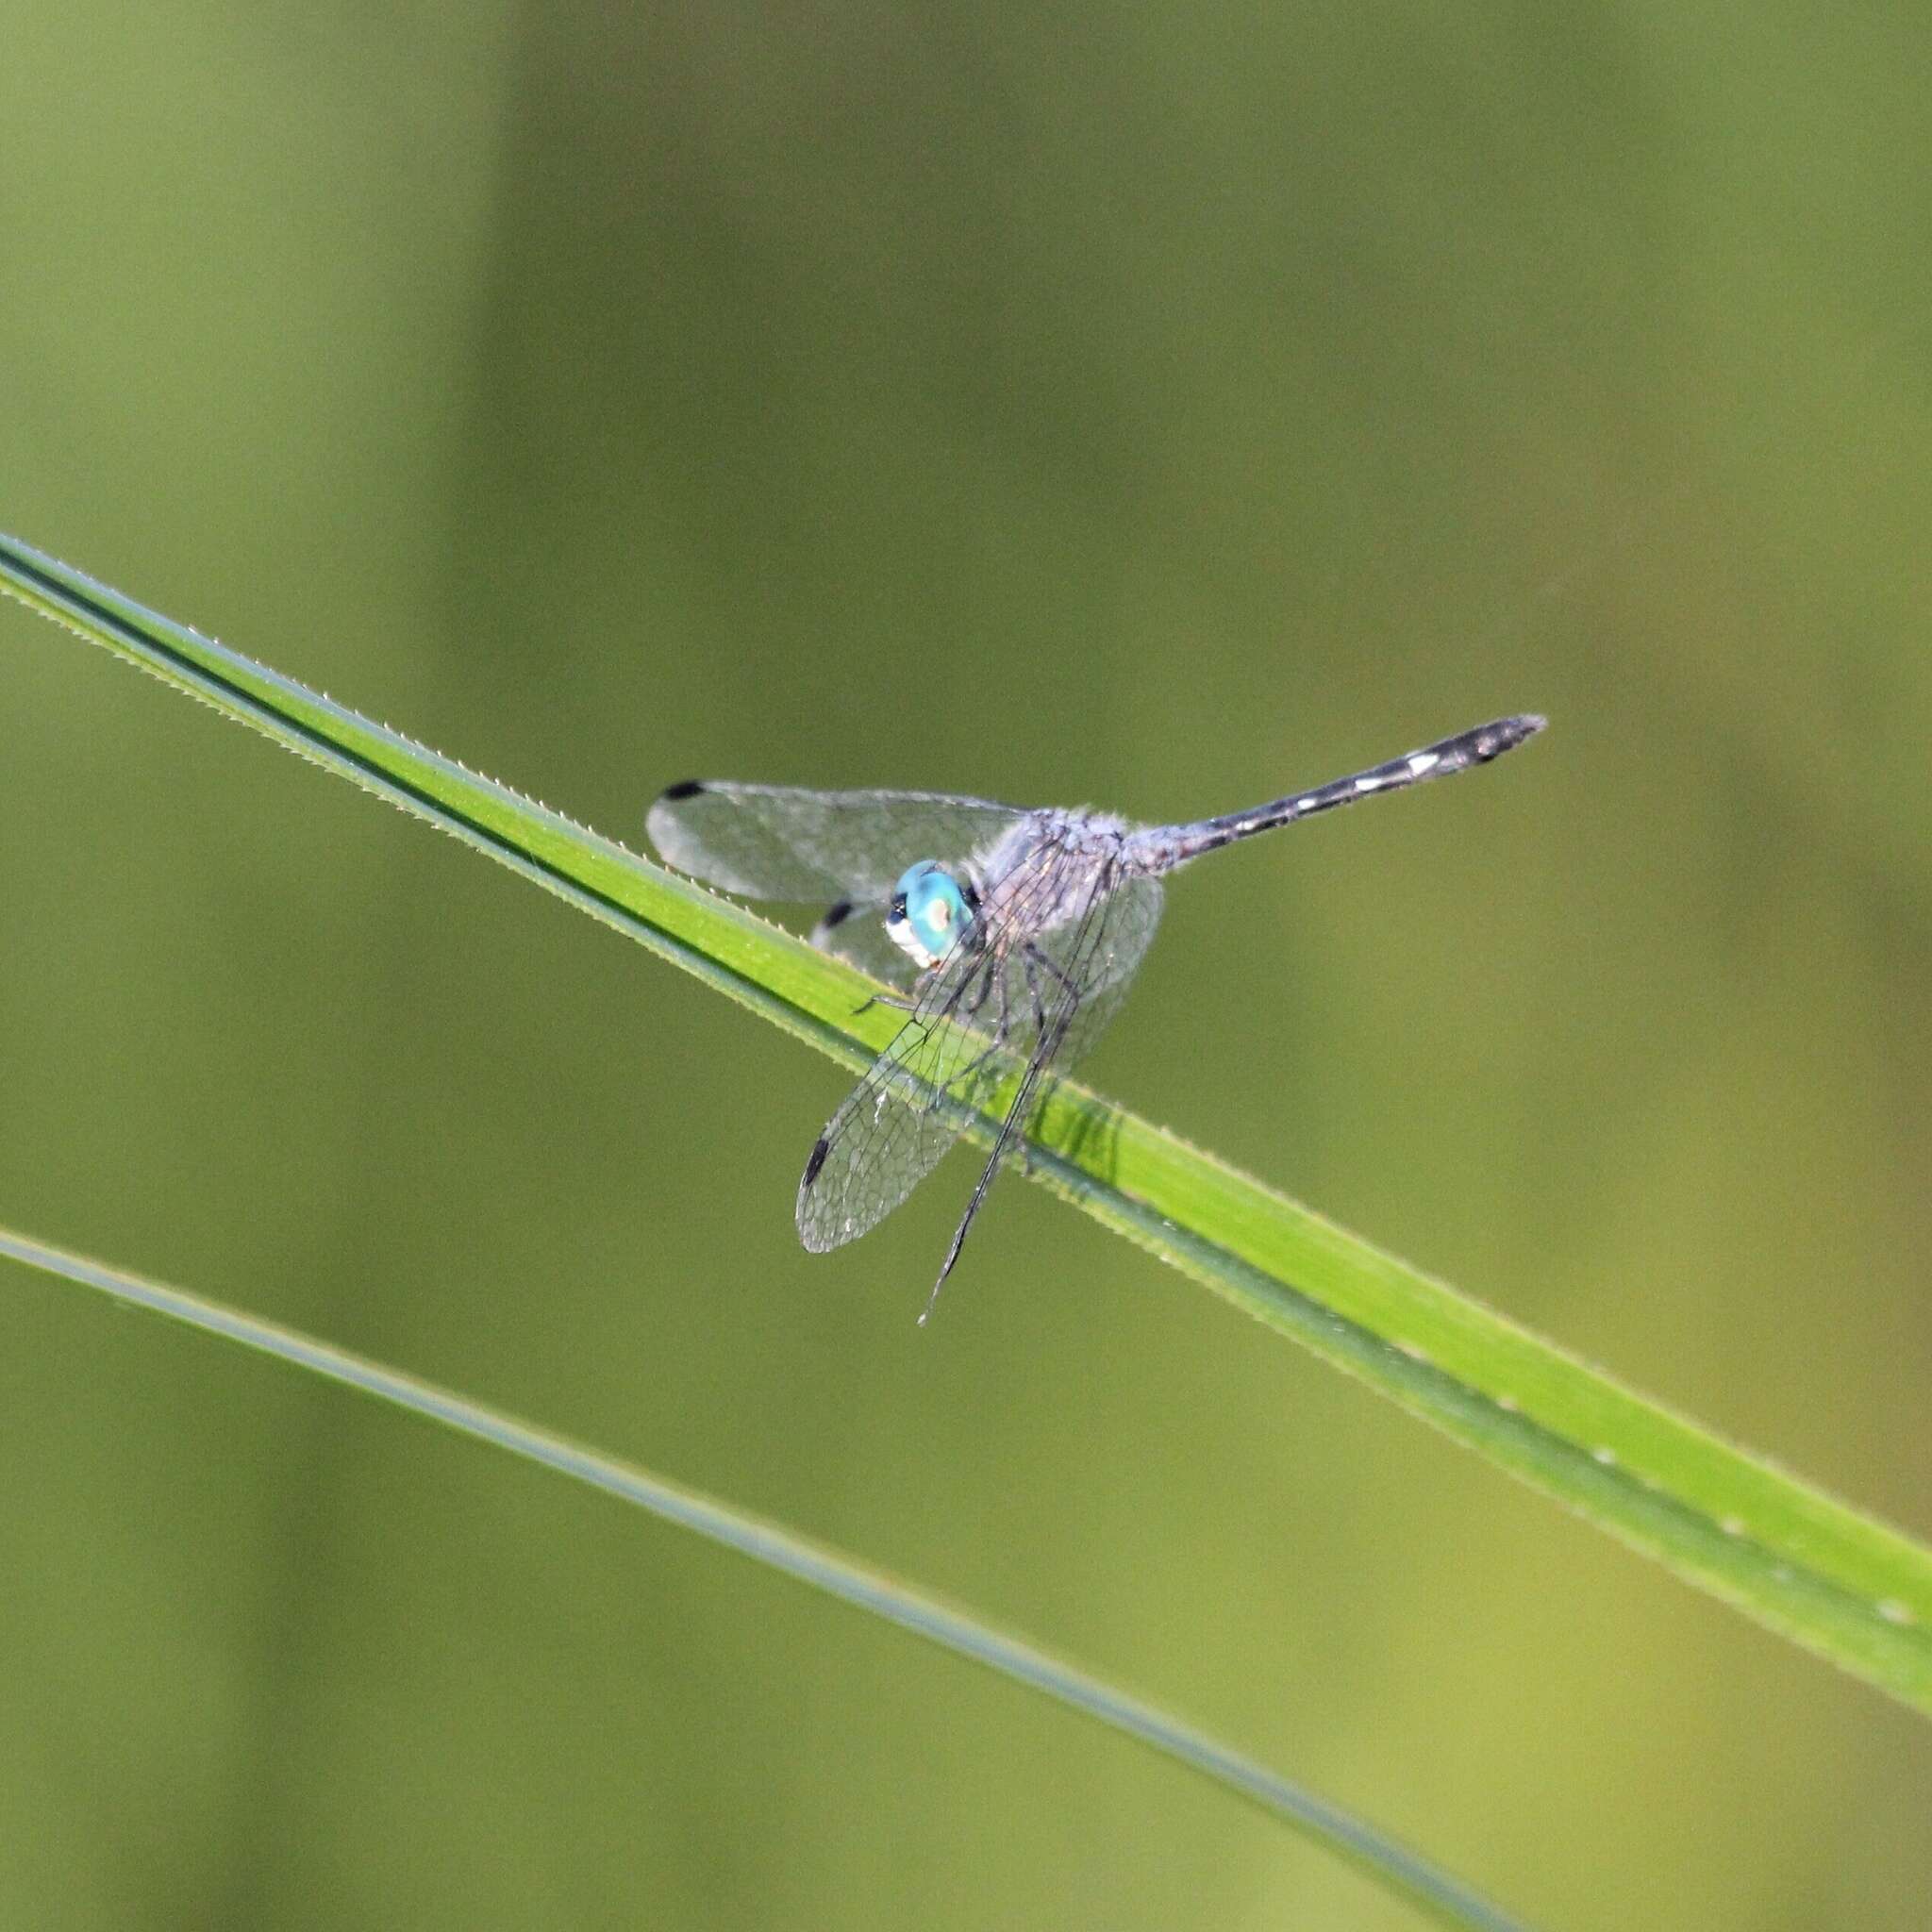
(1010, 935)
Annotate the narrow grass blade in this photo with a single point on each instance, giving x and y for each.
(1838, 1581)
(1391, 1865)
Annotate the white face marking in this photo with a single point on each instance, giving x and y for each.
(1367, 784)
(901, 934)
(1424, 761)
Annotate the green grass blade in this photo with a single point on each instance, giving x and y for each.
(1838, 1581)
(1391, 1865)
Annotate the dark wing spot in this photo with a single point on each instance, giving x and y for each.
(690, 789)
(836, 915)
(820, 1148)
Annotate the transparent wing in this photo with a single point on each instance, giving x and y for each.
(776, 841)
(855, 930)
(914, 1102)
(1100, 956)
(1022, 1003)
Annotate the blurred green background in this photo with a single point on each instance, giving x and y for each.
(1159, 409)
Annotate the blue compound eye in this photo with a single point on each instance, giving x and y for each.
(928, 913)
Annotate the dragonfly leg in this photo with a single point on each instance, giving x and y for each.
(1032, 959)
(1029, 960)
(1034, 956)
(988, 980)
(1044, 1050)
(1026, 1152)
(1042, 959)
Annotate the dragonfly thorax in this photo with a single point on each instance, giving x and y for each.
(929, 913)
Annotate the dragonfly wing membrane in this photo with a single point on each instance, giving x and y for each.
(855, 929)
(916, 1099)
(778, 841)
(1099, 957)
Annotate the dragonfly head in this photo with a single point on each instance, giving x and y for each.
(929, 913)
